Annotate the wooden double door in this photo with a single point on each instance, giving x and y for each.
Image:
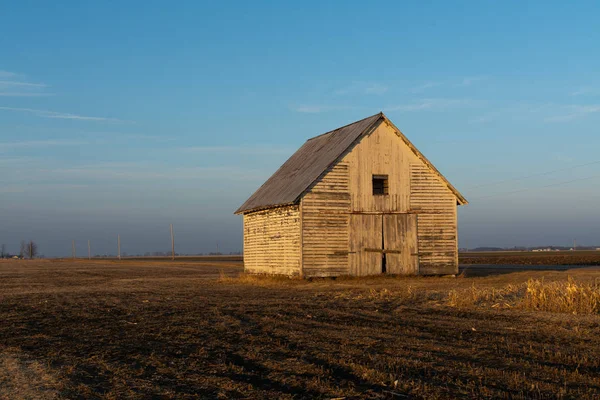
(383, 243)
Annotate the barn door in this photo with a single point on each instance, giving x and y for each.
(400, 244)
(365, 244)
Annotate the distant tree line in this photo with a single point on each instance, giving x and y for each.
(27, 249)
(521, 248)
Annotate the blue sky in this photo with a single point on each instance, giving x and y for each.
(123, 118)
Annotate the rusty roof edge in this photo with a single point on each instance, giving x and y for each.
(342, 127)
(240, 209)
(262, 208)
(461, 200)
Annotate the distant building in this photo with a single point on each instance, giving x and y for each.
(358, 200)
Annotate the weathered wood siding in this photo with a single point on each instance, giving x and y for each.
(413, 188)
(380, 153)
(401, 245)
(272, 241)
(325, 214)
(365, 235)
(437, 231)
(340, 216)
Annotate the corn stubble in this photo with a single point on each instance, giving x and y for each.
(188, 330)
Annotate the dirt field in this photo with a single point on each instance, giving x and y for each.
(190, 329)
(584, 257)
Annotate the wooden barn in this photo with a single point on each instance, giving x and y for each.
(359, 200)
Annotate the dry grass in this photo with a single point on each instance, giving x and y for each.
(495, 297)
(187, 330)
(259, 280)
(568, 296)
(565, 297)
(22, 378)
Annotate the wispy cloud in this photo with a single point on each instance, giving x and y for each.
(481, 119)
(11, 189)
(315, 109)
(17, 160)
(469, 80)
(15, 85)
(58, 115)
(7, 74)
(519, 110)
(545, 112)
(466, 81)
(433, 105)
(39, 143)
(357, 87)
(141, 172)
(22, 84)
(246, 150)
(153, 138)
(376, 88)
(25, 94)
(425, 86)
(585, 90)
(23, 188)
(573, 112)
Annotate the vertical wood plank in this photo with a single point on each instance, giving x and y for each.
(400, 234)
(365, 236)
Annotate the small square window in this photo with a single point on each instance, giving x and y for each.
(380, 184)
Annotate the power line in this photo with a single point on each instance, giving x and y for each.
(538, 187)
(534, 175)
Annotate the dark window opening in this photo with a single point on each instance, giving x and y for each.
(380, 184)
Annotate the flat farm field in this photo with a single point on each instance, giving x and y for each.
(525, 258)
(201, 329)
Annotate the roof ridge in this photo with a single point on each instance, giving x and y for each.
(294, 177)
(342, 127)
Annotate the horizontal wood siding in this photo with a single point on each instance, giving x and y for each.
(272, 241)
(325, 213)
(435, 205)
(380, 153)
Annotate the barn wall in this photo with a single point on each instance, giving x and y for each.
(272, 241)
(381, 153)
(325, 216)
(345, 190)
(413, 188)
(437, 231)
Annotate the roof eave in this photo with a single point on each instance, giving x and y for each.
(366, 131)
(262, 208)
(460, 199)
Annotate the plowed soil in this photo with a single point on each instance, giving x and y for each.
(193, 329)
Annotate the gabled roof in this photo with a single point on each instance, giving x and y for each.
(287, 185)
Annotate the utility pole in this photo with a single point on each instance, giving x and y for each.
(574, 244)
(89, 251)
(73, 249)
(30, 249)
(172, 243)
(217, 247)
(119, 246)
